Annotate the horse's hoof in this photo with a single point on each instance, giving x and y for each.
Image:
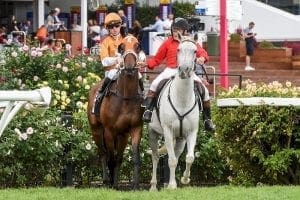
(185, 180)
(153, 188)
(172, 186)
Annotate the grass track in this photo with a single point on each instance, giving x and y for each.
(187, 193)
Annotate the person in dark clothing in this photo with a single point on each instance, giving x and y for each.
(125, 22)
(250, 44)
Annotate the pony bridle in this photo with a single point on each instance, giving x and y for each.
(122, 67)
(192, 41)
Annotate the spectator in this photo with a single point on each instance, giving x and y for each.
(42, 34)
(76, 27)
(57, 21)
(3, 39)
(103, 31)
(157, 26)
(50, 24)
(125, 22)
(26, 26)
(57, 46)
(250, 44)
(168, 22)
(93, 33)
(136, 30)
(49, 46)
(13, 24)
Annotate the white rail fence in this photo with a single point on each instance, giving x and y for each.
(256, 101)
(14, 100)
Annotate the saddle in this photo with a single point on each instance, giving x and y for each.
(198, 88)
(107, 92)
(99, 97)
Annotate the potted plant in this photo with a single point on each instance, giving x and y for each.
(268, 52)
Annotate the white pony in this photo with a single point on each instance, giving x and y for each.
(177, 116)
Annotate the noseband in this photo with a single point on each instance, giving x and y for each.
(128, 70)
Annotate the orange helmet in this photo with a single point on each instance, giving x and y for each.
(112, 18)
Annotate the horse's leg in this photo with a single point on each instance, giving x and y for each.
(121, 143)
(103, 159)
(191, 143)
(111, 168)
(153, 141)
(169, 141)
(179, 147)
(97, 132)
(136, 135)
(110, 155)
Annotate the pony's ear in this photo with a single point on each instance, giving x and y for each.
(179, 37)
(121, 48)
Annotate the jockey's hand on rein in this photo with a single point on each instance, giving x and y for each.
(119, 59)
(142, 65)
(200, 60)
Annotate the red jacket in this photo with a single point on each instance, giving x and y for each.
(168, 52)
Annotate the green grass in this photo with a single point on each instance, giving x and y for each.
(187, 193)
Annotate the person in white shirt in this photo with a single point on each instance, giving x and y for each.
(168, 22)
(57, 21)
(158, 26)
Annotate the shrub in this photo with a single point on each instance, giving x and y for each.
(266, 45)
(260, 142)
(235, 37)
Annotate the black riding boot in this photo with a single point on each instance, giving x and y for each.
(141, 84)
(100, 95)
(208, 124)
(148, 103)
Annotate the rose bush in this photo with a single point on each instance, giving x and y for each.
(36, 146)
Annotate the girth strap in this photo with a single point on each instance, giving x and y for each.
(180, 117)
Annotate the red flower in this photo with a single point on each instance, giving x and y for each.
(79, 48)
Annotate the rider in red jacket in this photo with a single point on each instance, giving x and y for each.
(168, 52)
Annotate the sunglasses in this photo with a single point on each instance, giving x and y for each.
(113, 26)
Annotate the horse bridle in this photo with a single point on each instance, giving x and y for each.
(128, 70)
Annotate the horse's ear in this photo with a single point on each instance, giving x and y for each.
(137, 47)
(121, 48)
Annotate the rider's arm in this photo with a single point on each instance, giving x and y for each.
(159, 56)
(108, 61)
(202, 56)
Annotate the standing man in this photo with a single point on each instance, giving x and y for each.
(158, 25)
(250, 45)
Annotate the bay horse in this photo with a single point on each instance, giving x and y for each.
(120, 117)
(176, 116)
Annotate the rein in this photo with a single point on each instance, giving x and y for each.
(133, 69)
(180, 117)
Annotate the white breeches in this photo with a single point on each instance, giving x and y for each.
(113, 74)
(168, 73)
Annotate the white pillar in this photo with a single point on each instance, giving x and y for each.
(84, 22)
(35, 15)
(41, 13)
